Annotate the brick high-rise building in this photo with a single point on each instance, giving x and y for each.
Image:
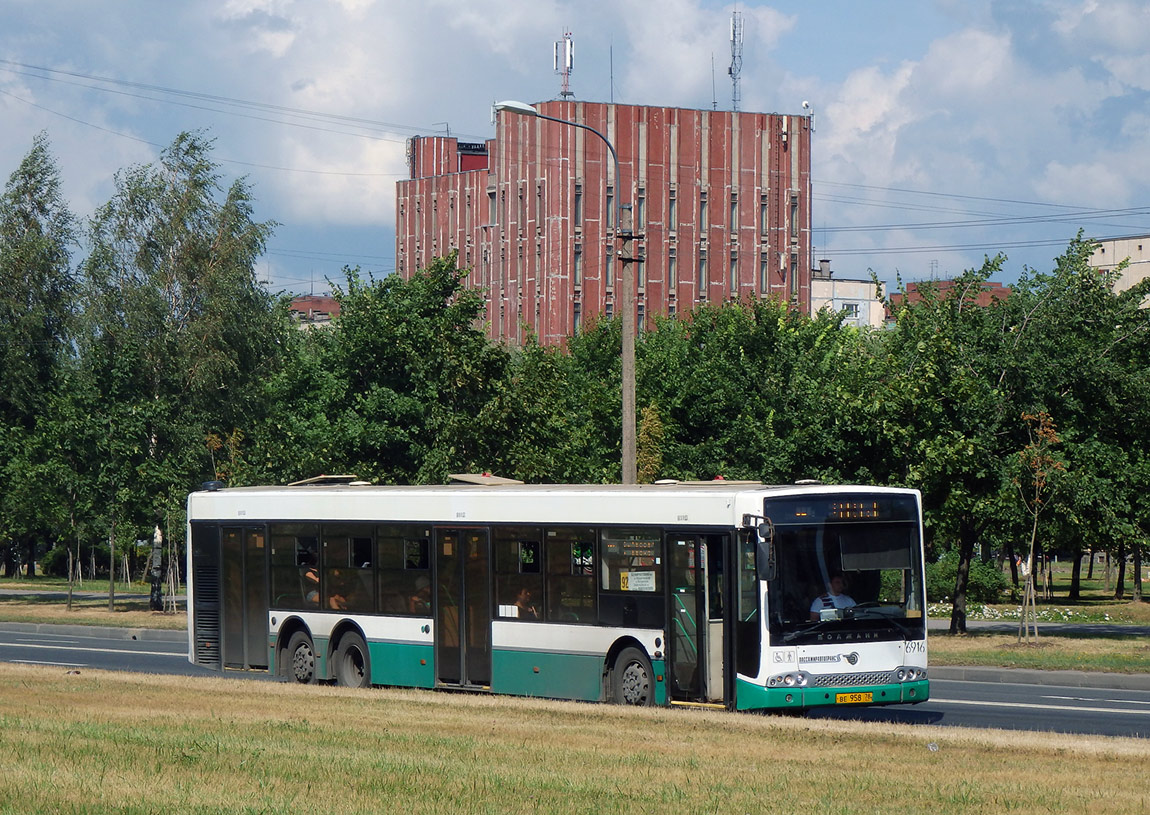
(720, 202)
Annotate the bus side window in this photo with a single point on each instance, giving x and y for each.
(630, 561)
(294, 566)
(347, 575)
(571, 576)
(518, 573)
(403, 558)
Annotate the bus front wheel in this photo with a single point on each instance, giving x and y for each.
(631, 679)
(352, 664)
(301, 659)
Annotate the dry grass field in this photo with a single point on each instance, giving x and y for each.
(122, 743)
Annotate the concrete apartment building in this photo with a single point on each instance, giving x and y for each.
(1112, 251)
(721, 206)
(856, 298)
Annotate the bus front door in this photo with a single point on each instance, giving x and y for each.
(462, 608)
(695, 618)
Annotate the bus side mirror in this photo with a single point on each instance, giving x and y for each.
(767, 563)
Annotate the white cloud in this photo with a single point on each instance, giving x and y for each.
(973, 99)
(358, 187)
(681, 46)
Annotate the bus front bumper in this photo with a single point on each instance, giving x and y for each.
(755, 697)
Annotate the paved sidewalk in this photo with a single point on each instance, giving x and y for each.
(941, 625)
(108, 632)
(1067, 679)
(1025, 676)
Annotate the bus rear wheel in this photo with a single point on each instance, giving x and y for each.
(631, 679)
(301, 659)
(352, 663)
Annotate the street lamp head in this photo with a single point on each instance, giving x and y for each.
(511, 106)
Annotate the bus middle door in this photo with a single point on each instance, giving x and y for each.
(462, 608)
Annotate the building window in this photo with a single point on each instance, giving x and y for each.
(673, 210)
(671, 310)
(610, 206)
(734, 275)
(539, 208)
(640, 210)
(641, 318)
(701, 283)
(609, 310)
(764, 218)
(577, 215)
(672, 268)
(577, 319)
(764, 274)
(702, 211)
(578, 270)
(734, 212)
(608, 263)
(794, 214)
(851, 311)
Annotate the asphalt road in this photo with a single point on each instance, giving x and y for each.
(1044, 701)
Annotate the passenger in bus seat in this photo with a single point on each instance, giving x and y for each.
(527, 610)
(835, 598)
(420, 602)
(311, 585)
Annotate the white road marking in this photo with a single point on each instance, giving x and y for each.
(1017, 705)
(42, 662)
(1088, 699)
(97, 650)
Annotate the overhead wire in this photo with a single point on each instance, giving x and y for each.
(378, 130)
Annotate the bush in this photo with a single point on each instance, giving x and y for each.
(986, 583)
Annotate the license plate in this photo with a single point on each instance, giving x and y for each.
(853, 698)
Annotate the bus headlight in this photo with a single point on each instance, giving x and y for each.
(909, 674)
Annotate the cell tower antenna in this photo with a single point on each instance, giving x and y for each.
(736, 57)
(565, 62)
(714, 96)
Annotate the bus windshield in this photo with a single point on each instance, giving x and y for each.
(844, 568)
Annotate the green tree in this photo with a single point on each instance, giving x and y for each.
(947, 393)
(759, 391)
(1081, 353)
(177, 333)
(37, 301)
(394, 390)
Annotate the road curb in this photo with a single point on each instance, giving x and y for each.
(1025, 676)
(110, 632)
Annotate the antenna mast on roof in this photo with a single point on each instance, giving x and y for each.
(714, 95)
(736, 57)
(565, 62)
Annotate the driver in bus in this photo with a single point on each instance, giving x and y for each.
(836, 598)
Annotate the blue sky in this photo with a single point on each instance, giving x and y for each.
(945, 131)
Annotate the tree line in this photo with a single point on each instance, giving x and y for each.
(140, 356)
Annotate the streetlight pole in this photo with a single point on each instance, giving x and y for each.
(623, 234)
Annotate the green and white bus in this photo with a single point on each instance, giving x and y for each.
(710, 594)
